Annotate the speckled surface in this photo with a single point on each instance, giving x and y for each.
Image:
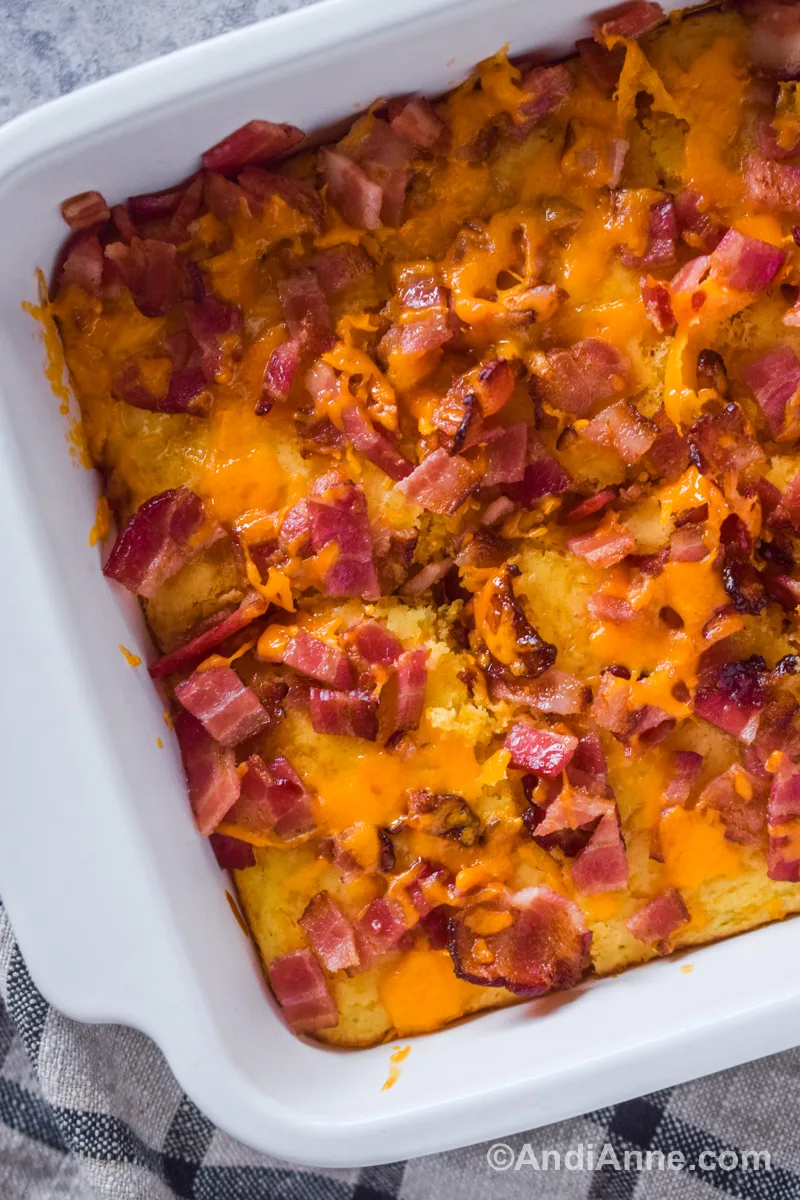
(48, 47)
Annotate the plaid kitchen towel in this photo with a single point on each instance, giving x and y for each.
(91, 1112)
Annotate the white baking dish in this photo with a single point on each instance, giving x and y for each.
(119, 907)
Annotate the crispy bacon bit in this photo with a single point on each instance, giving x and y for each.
(340, 266)
(668, 457)
(588, 768)
(273, 799)
(346, 714)
(442, 815)
(572, 810)
(374, 445)
(494, 385)
(783, 811)
(229, 711)
(772, 186)
(210, 773)
(661, 234)
(698, 228)
(319, 660)
(774, 380)
(775, 40)
(379, 928)
(590, 506)
(419, 123)
(658, 920)
(211, 323)
(393, 552)
(231, 853)
(340, 516)
(279, 375)
(302, 992)
(745, 263)
(156, 541)
(787, 512)
(441, 483)
(629, 21)
(306, 311)
(84, 211)
(531, 943)
(506, 456)
(553, 692)
(259, 186)
(602, 865)
(331, 934)
(543, 475)
(604, 546)
(255, 142)
(253, 605)
(376, 645)
(740, 804)
(502, 623)
(548, 88)
(151, 272)
(688, 544)
(732, 696)
(351, 190)
(542, 751)
(603, 64)
(610, 608)
(724, 442)
(687, 765)
(402, 698)
(622, 427)
(575, 379)
(657, 305)
(743, 581)
(83, 264)
(186, 392)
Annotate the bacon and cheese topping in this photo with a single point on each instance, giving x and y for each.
(455, 465)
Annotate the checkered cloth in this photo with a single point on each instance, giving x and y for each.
(93, 1111)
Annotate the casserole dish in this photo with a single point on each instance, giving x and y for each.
(146, 953)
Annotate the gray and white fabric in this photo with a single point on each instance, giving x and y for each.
(90, 1112)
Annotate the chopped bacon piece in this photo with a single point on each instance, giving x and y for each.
(186, 392)
(745, 263)
(232, 853)
(575, 379)
(548, 88)
(346, 714)
(502, 623)
(123, 222)
(603, 64)
(629, 21)
(295, 532)
(657, 305)
(732, 697)
(543, 475)
(151, 272)
(330, 933)
(211, 323)
(156, 541)
(83, 211)
(230, 711)
(258, 186)
(351, 190)
(273, 799)
(373, 444)
(687, 765)
(375, 644)
(544, 945)
(603, 547)
(442, 815)
(393, 552)
(774, 40)
(668, 457)
(494, 385)
(573, 809)
(772, 186)
(588, 768)
(419, 123)
(768, 143)
(506, 456)
(341, 517)
(622, 427)
(724, 442)
(688, 544)
(83, 264)
(783, 811)
(319, 660)
(787, 512)
(253, 605)
(255, 142)
(279, 375)
(698, 228)
(542, 751)
(441, 483)
(152, 206)
(661, 234)
(222, 196)
(411, 674)
(602, 865)
(659, 919)
(740, 804)
(610, 608)
(553, 692)
(427, 577)
(774, 380)
(379, 928)
(590, 506)
(210, 773)
(340, 266)
(306, 311)
(301, 990)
